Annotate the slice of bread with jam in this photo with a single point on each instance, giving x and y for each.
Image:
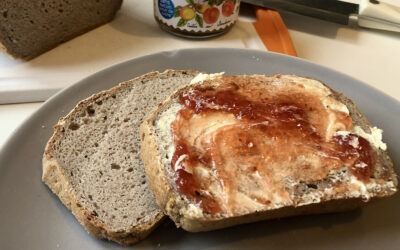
(236, 149)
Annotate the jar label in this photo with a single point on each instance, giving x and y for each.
(197, 15)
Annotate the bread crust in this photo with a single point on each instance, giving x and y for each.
(56, 178)
(171, 201)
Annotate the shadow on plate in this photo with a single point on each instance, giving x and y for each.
(253, 234)
(302, 232)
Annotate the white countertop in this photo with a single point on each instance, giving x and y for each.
(370, 56)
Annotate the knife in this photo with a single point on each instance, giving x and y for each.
(369, 13)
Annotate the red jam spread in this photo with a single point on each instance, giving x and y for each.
(235, 142)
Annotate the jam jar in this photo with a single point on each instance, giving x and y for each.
(196, 18)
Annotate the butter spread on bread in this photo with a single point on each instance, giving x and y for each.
(237, 149)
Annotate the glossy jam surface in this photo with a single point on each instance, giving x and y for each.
(234, 145)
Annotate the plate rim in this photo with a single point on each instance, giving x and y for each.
(171, 53)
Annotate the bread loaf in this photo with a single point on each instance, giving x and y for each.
(30, 28)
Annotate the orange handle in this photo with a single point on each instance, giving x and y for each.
(273, 32)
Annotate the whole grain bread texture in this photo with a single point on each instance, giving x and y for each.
(92, 162)
(29, 28)
(186, 214)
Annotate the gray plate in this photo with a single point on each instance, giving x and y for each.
(31, 217)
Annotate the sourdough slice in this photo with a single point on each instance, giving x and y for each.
(92, 161)
(30, 28)
(338, 191)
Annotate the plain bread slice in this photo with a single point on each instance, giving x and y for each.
(92, 161)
